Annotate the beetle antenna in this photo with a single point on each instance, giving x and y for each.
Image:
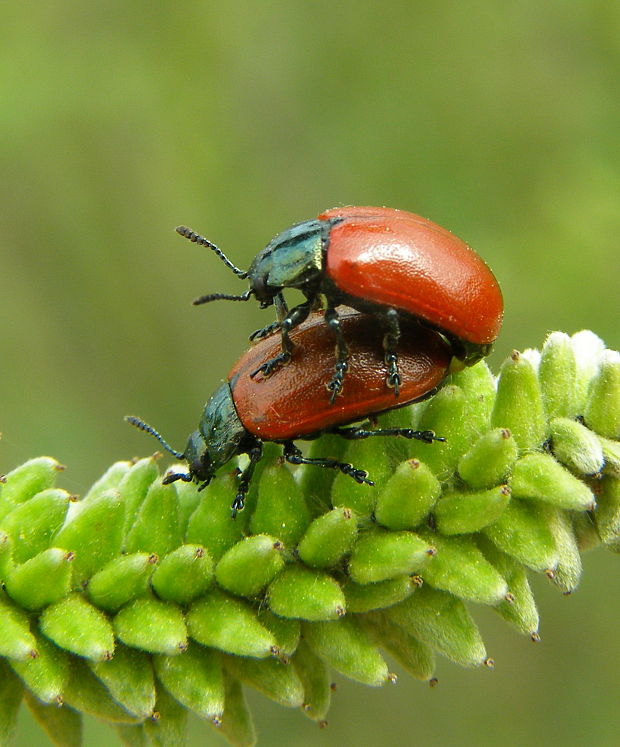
(196, 238)
(149, 429)
(222, 297)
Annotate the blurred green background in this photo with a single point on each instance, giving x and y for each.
(120, 120)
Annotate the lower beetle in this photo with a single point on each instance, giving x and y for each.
(391, 263)
(244, 412)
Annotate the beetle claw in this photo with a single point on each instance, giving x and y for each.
(335, 386)
(271, 365)
(263, 332)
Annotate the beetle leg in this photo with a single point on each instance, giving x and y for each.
(281, 313)
(263, 332)
(294, 317)
(355, 433)
(294, 456)
(174, 476)
(255, 454)
(342, 354)
(390, 342)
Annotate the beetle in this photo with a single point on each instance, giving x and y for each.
(244, 412)
(387, 262)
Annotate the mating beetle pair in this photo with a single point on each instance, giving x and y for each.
(386, 262)
(427, 299)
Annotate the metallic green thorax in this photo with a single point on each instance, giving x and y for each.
(221, 429)
(293, 259)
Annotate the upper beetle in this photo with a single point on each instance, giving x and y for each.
(388, 262)
(242, 413)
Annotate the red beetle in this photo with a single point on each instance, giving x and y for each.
(387, 262)
(244, 412)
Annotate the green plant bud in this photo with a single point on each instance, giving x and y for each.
(110, 480)
(488, 461)
(6, 555)
(86, 693)
(567, 573)
(540, 477)
(30, 478)
(237, 725)
(479, 386)
(230, 625)
(602, 412)
(461, 569)
(442, 622)
(366, 597)
(408, 496)
(281, 510)
(194, 679)
(16, 640)
(152, 625)
(466, 512)
(62, 725)
(416, 658)
(588, 349)
(210, 525)
(132, 735)
(32, 524)
(306, 594)
(518, 404)
(128, 676)
(611, 455)
(133, 486)
(286, 631)
(316, 484)
(558, 376)
(271, 677)
(121, 580)
(344, 646)
(361, 498)
(184, 574)
(94, 533)
(379, 555)
(520, 609)
(46, 674)
(168, 725)
(316, 681)
(247, 568)
(272, 453)
(188, 497)
(607, 514)
(156, 527)
(523, 532)
(11, 693)
(42, 580)
(446, 415)
(76, 626)
(585, 531)
(397, 449)
(328, 538)
(576, 446)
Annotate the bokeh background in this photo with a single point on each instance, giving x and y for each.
(120, 120)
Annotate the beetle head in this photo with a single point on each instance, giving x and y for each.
(198, 460)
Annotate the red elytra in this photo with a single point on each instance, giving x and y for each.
(398, 259)
(289, 405)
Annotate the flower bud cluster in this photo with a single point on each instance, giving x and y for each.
(141, 602)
